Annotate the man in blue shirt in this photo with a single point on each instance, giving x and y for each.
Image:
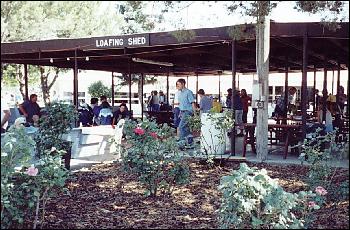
(187, 106)
(206, 103)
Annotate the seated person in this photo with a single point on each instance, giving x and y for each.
(121, 113)
(29, 108)
(105, 114)
(85, 115)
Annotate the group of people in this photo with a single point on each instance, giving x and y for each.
(157, 102)
(96, 114)
(185, 106)
(101, 114)
(333, 108)
(28, 109)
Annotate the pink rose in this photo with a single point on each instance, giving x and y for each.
(139, 131)
(32, 171)
(312, 204)
(321, 191)
(154, 135)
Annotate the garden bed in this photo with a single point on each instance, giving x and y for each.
(106, 197)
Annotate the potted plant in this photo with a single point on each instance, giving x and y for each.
(56, 120)
(214, 131)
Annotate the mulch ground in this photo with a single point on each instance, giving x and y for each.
(107, 197)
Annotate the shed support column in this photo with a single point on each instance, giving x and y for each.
(332, 81)
(304, 96)
(233, 135)
(112, 89)
(314, 97)
(142, 83)
(167, 89)
(129, 82)
(338, 83)
(197, 87)
(75, 80)
(219, 88)
(286, 89)
(26, 82)
(324, 91)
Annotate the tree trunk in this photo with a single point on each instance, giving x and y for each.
(45, 86)
(262, 58)
(20, 80)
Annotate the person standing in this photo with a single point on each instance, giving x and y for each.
(150, 102)
(187, 106)
(246, 100)
(163, 101)
(155, 101)
(238, 108)
(29, 108)
(205, 103)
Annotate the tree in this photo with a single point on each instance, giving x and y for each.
(98, 89)
(28, 21)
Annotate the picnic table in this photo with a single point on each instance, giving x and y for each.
(161, 116)
(290, 131)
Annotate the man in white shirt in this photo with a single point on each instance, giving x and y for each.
(5, 114)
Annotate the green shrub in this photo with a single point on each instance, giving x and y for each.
(56, 122)
(251, 199)
(319, 151)
(151, 153)
(25, 187)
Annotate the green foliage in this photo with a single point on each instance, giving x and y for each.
(98, 89)
(58, 120)
(194, 123)
(151, 153)
(319, 151)
(24, 191)
(332, 11)
(251, 199)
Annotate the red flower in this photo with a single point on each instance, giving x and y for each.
(139, 131)
(154, 135)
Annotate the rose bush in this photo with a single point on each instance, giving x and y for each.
(150, 151)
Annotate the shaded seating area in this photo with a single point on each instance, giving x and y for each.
(294, 47)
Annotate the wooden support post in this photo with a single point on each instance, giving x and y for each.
(325, 92)
(112, 89)
(167, 90)
(197, 87)
(26, 82)
(286, 93)
(233, 135)
(338, 83)
(304, 96)
(219, 87)
(129, 82)
(75, 80)
(314, 97)
(142, 104)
